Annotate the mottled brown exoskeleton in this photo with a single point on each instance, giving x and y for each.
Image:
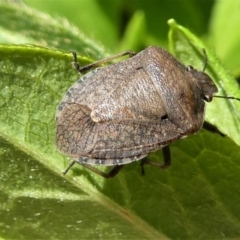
(119, 113)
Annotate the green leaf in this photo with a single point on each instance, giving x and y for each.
(21, 24)
(98, 19)
(37, 203)
(189, 49)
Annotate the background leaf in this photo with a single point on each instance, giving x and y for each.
(109, 19)
(21, 24)
(196, 198)
(224, 34)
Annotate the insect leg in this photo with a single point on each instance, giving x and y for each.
(212, 128)
(69, 166)
(98, 63)
(113, 172)
(166, 157)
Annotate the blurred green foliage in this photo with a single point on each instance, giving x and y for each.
(108, 22)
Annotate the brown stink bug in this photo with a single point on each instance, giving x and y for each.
(119, 113)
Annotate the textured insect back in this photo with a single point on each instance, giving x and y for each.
(179, 90)
(121, 112)
(70, 115)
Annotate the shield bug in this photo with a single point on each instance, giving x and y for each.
(119, 113)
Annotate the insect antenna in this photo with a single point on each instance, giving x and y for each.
(205, 60)
(228, 97)
(204, 68)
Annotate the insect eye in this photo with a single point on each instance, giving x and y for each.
(189, 68)
(207, 98)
